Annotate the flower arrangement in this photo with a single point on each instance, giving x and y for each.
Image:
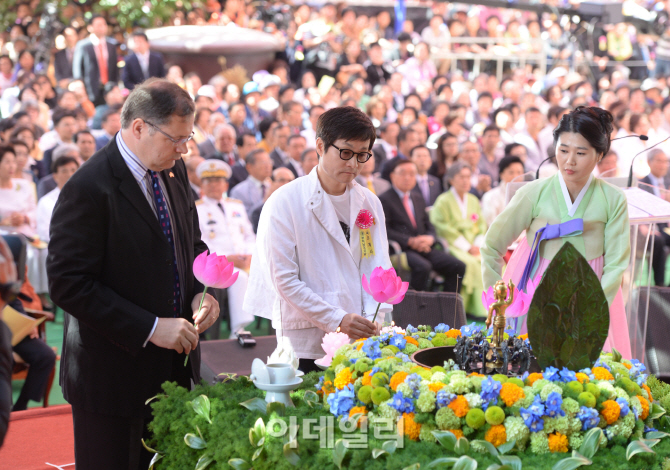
(545, 412)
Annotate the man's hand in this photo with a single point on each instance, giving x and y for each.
(356, 327)
(483, 183)
(207, 314)
(242, 262)
(175, 333)
(474, 250)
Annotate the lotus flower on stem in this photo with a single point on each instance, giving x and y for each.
(385, 286)
(331, 343)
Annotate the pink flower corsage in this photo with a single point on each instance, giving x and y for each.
(474, 217)
(365, 219)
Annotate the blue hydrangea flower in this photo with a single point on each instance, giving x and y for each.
(588, 372)
(442, 328)
(589, 418)
(319, 384)
(648, 429)
(410, 329)
(398, 341)
(537, 408)
(525, 376)
(398, 402)
(443, 398)
(471, 329)
(374, 370)
(623, 404)
(431, 335)
(385, 337)
(551, 374)
(413, 380)
(532, 416)
(537, 425)
(342, 401)
(490, 389)
(567, 375)
(600, 363)
(353, 360)
(371, 349)
(402, 356)
(553, 405)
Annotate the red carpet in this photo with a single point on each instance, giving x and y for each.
(38, 436)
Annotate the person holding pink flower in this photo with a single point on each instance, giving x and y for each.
(457, 217)
(316, 238)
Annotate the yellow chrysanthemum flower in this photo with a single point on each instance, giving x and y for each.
(511, 393)
(411, 428)
(397, 379)
(496, 435)
(582, 377)
(343, 378)
(558, 442)
(610, 411)
(600, 373)
(460, 406)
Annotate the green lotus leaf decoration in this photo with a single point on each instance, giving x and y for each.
(568, 318)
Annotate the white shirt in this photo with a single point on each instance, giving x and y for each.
(341, 205)
(45, 208)
(143, 59)
(22, 198)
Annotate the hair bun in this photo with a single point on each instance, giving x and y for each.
(606, 119)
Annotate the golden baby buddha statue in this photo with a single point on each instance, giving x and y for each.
(499, 306)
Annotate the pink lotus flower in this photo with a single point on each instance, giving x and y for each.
(521, 302)
(214, 271)
(330, 344)
(385, 287)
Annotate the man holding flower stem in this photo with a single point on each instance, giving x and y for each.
(310, 252)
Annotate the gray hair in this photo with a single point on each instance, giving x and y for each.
(461, 147)
(250, 159)
(62, 150)
(156, 101)
(221, 127)
(654, 153)
(456, 168)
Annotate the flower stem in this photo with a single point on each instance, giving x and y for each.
(202, 299)
(376, 312)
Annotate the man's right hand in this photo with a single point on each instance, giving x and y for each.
(175, 333)
(356, 326)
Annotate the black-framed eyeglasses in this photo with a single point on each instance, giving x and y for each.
(172, 139)
(347, 154)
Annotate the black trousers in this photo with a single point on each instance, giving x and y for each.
(41, 360)
(106, 442)
(307, 365)
(658, 263)
(449, 267)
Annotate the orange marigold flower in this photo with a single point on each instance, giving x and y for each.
(397, 379)
(511, 393)
(411, 340)
(600, 373)
(646, 387)
(360, 345)
(343, 378)
(367, 378)
(453, 333)
(460, 406)
(359, 409)
(558, 442)
(582, 377)
(496, 435)
(523, 336)
(436, 387)
(645, 407)
(610, 411)
(476, 374)
(627, 365)
(328, 387)
(411, 428)
(456, 432)
(530, 380)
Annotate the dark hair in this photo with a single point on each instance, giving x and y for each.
(5, 149)
(139, 33)
(109, 87)
(411, 152)
(286, 107)
(240, 138)
(62, 161)
(250, 159)
(316, 106)
(8, 123)
(18, 130)
(110, 112)
(345, 122)
(532, 109)
(264, 126)
(512, 146)
(5, 56)
(441, 156)
(156, 100)
(485, 94)
(94, 17)
(306, 152)
(402, 135)
(75, 139)
(506, 162)
(593, 123)
(17, 142)
(61, 113)
(555, 111)
(491, 128)
(402, 161)
(295, 136)
(635, 120)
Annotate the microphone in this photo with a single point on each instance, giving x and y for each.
(642, 137)
(630, 173)
(537, 173)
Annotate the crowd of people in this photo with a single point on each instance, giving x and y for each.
(448, 142)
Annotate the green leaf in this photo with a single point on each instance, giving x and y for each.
(255, 404)
(390, 446)
(495, 466)
(194, 442)
(511, 461)
(489, 447)
(616, 355)
(239, 464)
(201, 406)
(446, 461)
(570, 463)
(506, 447)
(591, 442)
(149, 449)
(465, 463)
(291, 453)
(259, 428)
(656, 411)
(656, 435)
(257, 454)
(568, 319)
(643, 445)
(377, 452)
(415, 466)
(204, 461)
(155, 459)
(275, 407)
(252, 437)
(462, 446)
(160, 395)
(446, 438)
(339, 452)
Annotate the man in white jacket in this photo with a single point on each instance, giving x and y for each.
(308, 263)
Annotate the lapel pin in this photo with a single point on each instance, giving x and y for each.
(171, 175)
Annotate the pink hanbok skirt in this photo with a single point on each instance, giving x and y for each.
(618, 331)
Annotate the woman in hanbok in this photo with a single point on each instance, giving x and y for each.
(457, 217)
(579, 209)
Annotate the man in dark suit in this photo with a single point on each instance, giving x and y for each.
(657, 182)
(279, 155)
(126, 279)
(296, 145)
(386, 146)
(427, 186)
(143, 63)
(246, 142)
(95, 60)
(407, 140)
(65, 126)
(407, 223)
(63, 58)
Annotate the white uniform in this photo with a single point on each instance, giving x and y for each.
(229, 232)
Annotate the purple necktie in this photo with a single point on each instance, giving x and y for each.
(166, 226)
